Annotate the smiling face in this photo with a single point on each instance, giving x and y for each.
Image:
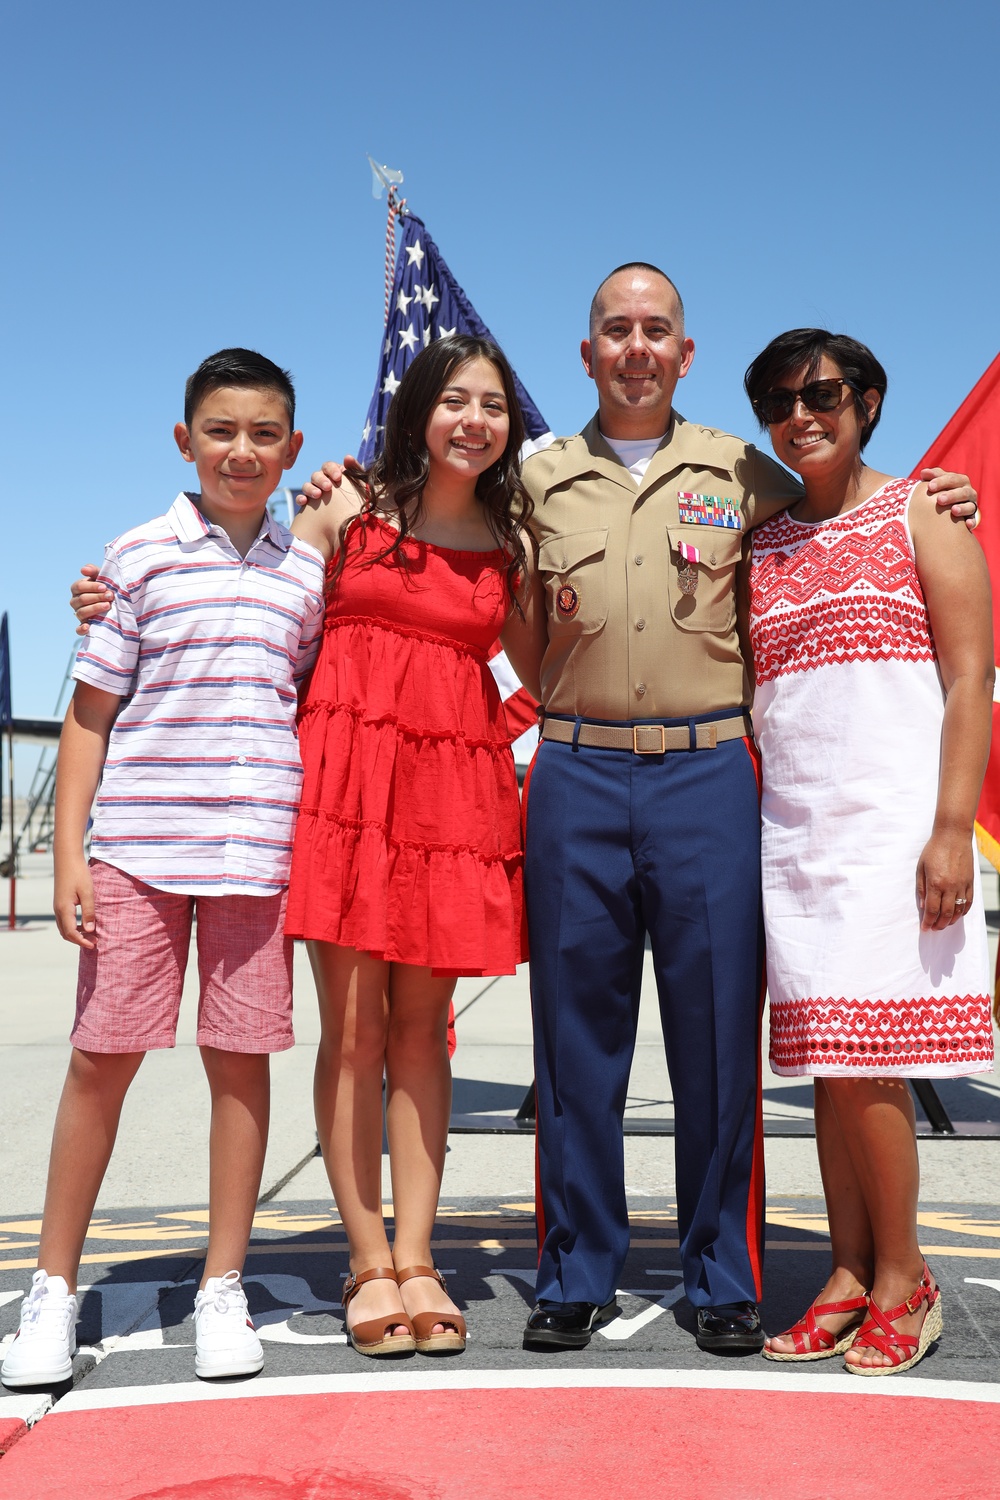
(468, 427)
(636, 353)
(815, 443)
(240, 442)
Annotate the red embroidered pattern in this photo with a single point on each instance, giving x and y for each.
(881, 1034)
(846, 590)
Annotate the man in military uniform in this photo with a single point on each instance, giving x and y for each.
(643, 818)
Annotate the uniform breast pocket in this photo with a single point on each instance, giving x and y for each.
(573, 568)
(708, 602)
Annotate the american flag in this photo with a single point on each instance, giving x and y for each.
(427, 303)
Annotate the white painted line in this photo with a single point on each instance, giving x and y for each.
(488, 1380)
(25, 1408)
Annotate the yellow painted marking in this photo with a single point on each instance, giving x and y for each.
(144, 1232)
(963, 1252)
(114, 1257)
(178, 1225)
(961, 1224)
(293, 1223)
(794, 1219)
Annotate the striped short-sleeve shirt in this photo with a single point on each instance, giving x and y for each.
(202, 776)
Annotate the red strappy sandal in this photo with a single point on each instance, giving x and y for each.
(813, 1342)
(901, 1348)
(452, 1340)
(375, 1336)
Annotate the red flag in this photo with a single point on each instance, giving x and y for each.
(970, 444)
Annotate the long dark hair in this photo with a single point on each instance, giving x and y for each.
(397, 476)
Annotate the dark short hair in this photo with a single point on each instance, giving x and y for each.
(806, 347)
(244, 368)
(399, 472)
(633, 265)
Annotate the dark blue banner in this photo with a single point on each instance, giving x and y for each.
(6, 711)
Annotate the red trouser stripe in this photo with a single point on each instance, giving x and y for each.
(755, 1198)
(539, 1209)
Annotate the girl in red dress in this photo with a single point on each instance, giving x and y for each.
(406, 871)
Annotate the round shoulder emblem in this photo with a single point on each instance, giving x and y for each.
(567, 602)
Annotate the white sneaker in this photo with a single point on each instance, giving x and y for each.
(44, 1344)
(225, 1341)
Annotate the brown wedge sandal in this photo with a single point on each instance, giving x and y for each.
(374, 1336)
(452, 1341)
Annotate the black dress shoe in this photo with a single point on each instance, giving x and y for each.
(733, 1328)
(566, 1325)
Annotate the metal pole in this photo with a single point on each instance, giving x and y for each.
(12, 915)
(932, 1107)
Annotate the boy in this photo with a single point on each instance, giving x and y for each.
(216, 616)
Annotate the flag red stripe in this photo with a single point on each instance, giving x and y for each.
(970, 444)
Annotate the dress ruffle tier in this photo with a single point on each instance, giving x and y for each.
(408, 842)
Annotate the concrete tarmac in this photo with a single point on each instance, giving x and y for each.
(161, 1158)
(142, 1259)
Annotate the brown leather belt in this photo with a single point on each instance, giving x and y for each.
(648, 739)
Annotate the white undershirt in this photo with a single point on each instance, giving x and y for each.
(635, 453)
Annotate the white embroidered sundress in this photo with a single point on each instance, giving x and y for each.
(848, 712)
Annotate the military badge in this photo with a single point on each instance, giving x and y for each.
(687, 567)
(567, 602)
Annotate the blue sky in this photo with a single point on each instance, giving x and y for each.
(182, 177)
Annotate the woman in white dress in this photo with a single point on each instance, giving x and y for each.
(871, 630)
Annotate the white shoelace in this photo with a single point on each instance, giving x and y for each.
(229, 1285)
(39, 1301)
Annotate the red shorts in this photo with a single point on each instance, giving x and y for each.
(129, 988)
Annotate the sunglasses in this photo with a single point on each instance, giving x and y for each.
(817, 395)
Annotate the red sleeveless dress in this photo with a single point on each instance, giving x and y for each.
(408, 841)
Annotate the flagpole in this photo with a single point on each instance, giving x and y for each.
(12, 914)
(7, 722)
(387, 179)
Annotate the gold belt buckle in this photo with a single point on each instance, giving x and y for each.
(660, 729)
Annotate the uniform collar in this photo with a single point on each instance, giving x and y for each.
(589, 453)
(683, 447)
(189, 525)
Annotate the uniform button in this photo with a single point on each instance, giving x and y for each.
(638, 560)
(640, 689)
(243, 760)
(640, 624)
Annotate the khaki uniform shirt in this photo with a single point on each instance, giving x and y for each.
(625, 640)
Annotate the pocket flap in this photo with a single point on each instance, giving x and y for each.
(558, 554)
(718, 547)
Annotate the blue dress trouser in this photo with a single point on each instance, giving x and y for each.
(619, 845)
